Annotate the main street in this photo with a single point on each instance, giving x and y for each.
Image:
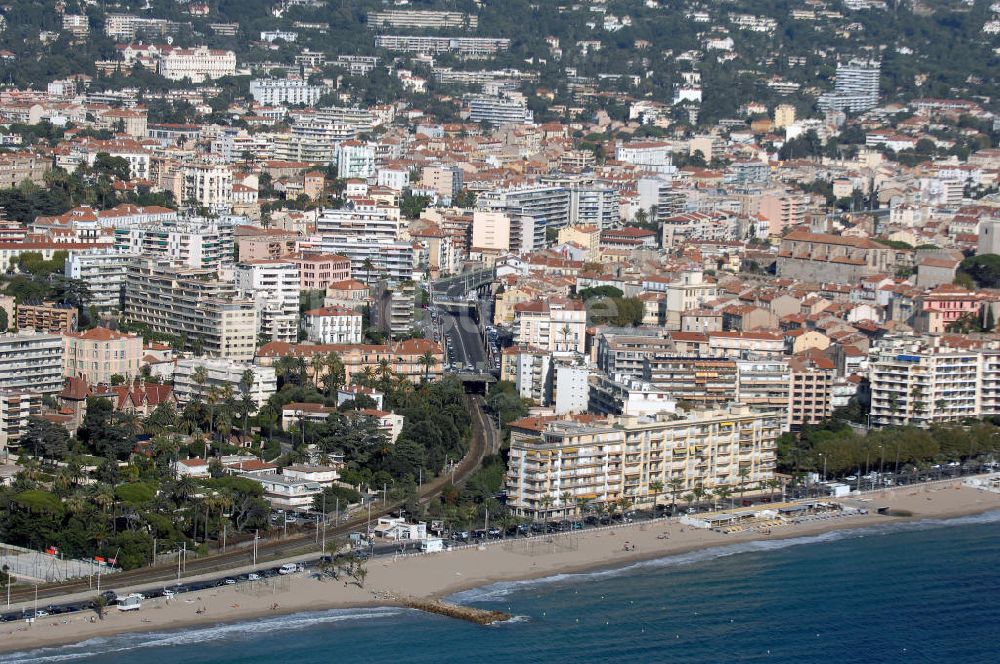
(464, 345)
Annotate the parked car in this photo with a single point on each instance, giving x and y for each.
(288, 568)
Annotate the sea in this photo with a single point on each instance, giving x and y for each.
(913, 591)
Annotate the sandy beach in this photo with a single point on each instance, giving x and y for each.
(441, 574)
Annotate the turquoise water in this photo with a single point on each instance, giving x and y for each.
(909, 592)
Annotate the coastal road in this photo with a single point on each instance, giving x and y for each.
(485, 440)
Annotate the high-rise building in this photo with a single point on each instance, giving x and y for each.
(192, 304)
(273, 285)
(856, 89)
(281, 92)
(31, 361)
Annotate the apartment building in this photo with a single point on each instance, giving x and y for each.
(554, 463)
(47, 317)
(533, 209)
(856, 88)
(556, 324)
(764, 384)
(687, 292)
(17, 407)
(100, 354)
(811, 393)
(622, 395)
(333, 325)
(31, 362)
(424, 44)
(196, 243)
(695, 380)
(531, 372)
(222, 375)
(624, 353)
(193, 305)
(208, 186)
(423, 19)
(649, 156)
(355, 160)
(197, 64)
(490, 231)
(273, 285)
(285, 92)
(921, 381)
(499, 111)
(318, 271)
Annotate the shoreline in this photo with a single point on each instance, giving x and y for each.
(440, 575)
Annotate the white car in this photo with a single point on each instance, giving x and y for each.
(168, 593)
(288, 568)
(253, 576)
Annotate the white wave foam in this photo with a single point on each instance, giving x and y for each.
(137, 640)
(498, 591)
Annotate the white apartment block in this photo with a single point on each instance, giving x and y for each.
(654, 157)
(198, 64)
(274, 286)
(571, 388)
(104, 273)
(355, 160)
(499, 111)
(193, 305)
(460, 45)
(362, 222)
(555, 463)
(531, 372)
(283, 92)
(31, 362)
(220, 375)
(920, 382)
(208, 186)
(197, 243)
(333, 325)
(415, 18)
(557, 324)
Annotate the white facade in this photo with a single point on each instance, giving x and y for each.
(333, 325)
(197, 64)
(104, 273)
(31, 362)
(355, 160)
(222, 374)
(274, 287)
(572, 389)
(279, 92)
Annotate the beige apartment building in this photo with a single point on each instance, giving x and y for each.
(192, 304)
(556, 466)
(100, 353)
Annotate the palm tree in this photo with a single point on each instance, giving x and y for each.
(334, 377)
(689, 498)
(200, 377)
(655, 487)
(676, 486)
(724, 492)
(427, 360)
(318, 363)
(565, 498)
(546, 501)
(743, 473)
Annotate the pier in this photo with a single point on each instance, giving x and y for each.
(467, 613)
